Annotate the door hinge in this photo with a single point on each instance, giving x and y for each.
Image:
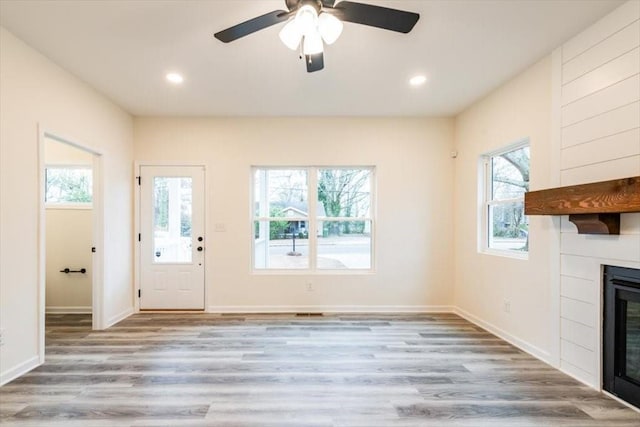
(139, 293)
(139, 179)
(139, 237)
(93, 249)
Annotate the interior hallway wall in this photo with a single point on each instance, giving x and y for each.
(36, 92)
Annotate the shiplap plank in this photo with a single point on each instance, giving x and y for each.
(578, 311)
(614, 169)
(623, 247)
(578, 333)
(610, 123)
(576, 372)
(579, 289)
(604, 28)
(630, 223)
(610, 48)
(578, 356)
(580, 267)
(606, 75)
(611, 147)
(618, 95)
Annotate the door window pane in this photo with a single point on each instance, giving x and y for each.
(172, 217)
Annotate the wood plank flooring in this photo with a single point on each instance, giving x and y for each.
(283, 370)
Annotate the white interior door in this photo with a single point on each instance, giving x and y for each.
(172, 238)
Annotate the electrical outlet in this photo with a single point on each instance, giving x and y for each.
(506, 306)
(309, 287)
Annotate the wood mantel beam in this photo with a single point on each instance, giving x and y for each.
(616, 196)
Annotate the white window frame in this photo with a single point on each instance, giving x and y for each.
(312, 220)
(487, 201)
(68, 205)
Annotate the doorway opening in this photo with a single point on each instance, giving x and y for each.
(70, 235)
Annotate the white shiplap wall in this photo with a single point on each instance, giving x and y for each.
(599, 140)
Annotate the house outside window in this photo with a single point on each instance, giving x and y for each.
(312, 218)
(507, 174)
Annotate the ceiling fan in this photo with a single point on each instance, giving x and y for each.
(311, 23)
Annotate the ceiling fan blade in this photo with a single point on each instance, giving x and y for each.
(376, 16)
(251, 26)
(314, 62)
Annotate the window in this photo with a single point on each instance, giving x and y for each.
(507, 179)
(312, 218)
(68, 185)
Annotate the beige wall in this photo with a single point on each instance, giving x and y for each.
(34, 91)
(69, 242)
(519, 109)
(414, 186)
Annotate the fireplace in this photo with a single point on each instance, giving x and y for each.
(621, 333)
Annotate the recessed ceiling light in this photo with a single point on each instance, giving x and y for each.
(174, 78)
(418, 80)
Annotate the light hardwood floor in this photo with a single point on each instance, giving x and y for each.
(283, 370)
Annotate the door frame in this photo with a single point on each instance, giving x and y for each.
(137, 270)
(97, 268)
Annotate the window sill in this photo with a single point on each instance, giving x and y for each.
(506, 254)
(307, 272)
(64, 206)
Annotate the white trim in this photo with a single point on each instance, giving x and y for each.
(529, 348)
(119, 317)
(97, 288)
(505, 253)
(330, 309)
(69, 310)
(19, 370)
(624, 402)
(555, 232)
(68, 206)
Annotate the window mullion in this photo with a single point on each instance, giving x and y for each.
(312, 185)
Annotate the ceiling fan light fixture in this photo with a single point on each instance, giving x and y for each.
(291, 34)
(312, 44)
(329, 27)
(307, 19)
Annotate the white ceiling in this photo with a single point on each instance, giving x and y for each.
(125, 48)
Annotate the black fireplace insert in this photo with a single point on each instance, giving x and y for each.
(621, 340)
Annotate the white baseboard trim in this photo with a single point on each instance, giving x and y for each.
(69, 310)
(627, 404)
(521, 344)
(118, 317)
(21, 369)
(330, 309)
